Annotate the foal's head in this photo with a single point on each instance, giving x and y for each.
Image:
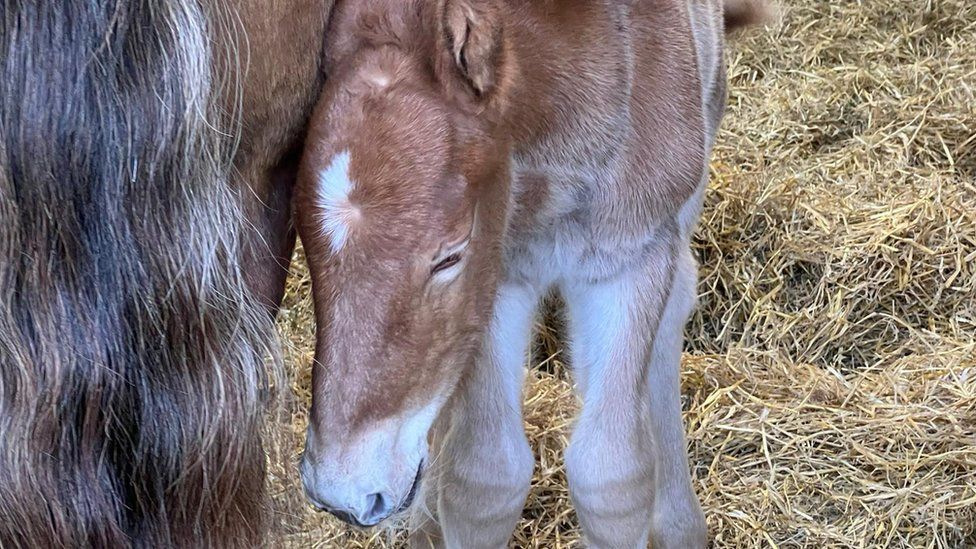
(401, 206)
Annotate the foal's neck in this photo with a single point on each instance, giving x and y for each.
(557, 70)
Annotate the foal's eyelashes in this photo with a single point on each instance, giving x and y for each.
(447, 264)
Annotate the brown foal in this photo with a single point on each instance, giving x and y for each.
(467, 157)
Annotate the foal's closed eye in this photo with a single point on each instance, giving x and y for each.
(446, 263)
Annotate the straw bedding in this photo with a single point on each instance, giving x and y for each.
(830, 378)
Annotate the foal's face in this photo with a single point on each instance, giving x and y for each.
(402, 278)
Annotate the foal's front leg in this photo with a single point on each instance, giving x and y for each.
(480, 477)
(627, 461)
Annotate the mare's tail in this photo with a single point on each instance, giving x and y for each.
(132, 358)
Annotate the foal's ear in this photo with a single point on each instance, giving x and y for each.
(472, 32)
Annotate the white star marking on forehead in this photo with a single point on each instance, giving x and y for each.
(338, 213)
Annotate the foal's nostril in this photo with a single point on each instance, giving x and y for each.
(377, 508)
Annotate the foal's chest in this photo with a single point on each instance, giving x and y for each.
(558, 227)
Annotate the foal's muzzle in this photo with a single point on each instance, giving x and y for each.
(373, 509)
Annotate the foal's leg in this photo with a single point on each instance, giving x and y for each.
(483, 471)
(627, 461)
